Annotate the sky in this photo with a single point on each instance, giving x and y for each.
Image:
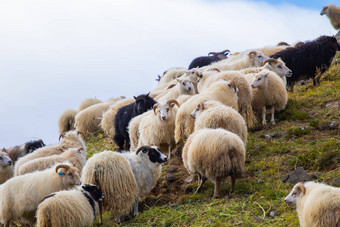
(54, 54)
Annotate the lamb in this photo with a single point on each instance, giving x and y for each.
(269, 92)
(184, 87)
(158, 128)
(245, 94)
(66, 121)
(223, 91)
(250, 59)
(317, 204)
(333, 13)
(306, 58)
(87, 103)
(19, 151)
(124, 178)
(142, 104)
(213, 114)
(275, 65)
(214, 154)
(170, 75)
(72, 139)
(20, 196)
(88, 120)
(6, 168)
(77, 207)
(207, 60)
(107, 122)
(75, 156)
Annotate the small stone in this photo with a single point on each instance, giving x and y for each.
(189, 180)
(336, 181)
(298, 175)
(170, 177)
(272, 214)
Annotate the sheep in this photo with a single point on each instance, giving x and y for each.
(333, 13)
(214, 154)
(269, 91)
(125, 114)
(89, 119)
(223, 91)
(207, 60)
(6, 167)
(249, 59)
(213, 114)
(158, 128)
(245, 94)
(87, 103)
(66, 121)
(72, 139)
(317, 204)
(107, 122)
(19, 151)
(270, 50)
(77, 207)
(275, 65)
(75, 156)
(124, 178)
(184, 87)
(170, 74)
(306, 58)
(134, 131)
(20, 196)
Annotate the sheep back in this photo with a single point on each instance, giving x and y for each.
(66, 121)
(87, 103)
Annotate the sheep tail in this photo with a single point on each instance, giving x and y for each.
(250, 117)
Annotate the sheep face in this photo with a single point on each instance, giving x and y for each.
(4, 159)
(324, 10)
(186, 85)
(257, 58)
(298, 191)
(260, 80)
(199, 108)
(152, 154)
(278, 66)
(165, 111)
(70, 174)
(142, 103)
(95, 193)
(33, 145)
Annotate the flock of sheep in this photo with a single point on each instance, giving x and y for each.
(204, 112)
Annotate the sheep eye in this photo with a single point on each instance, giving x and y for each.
(70, 174)
(183, 83)
(294, 194)
(279, 67)
(167, 109)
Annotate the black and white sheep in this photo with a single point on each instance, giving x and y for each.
(142, 104)
(207, 60)
(124, 178)
(6, 167)
(77, 207)
(21, 195)
(305, 59)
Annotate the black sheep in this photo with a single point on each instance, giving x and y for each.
(306, 58)
(33, 145)
(207, 60)
(142, 104)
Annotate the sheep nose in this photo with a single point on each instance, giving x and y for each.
(192, 116)
(165, 159)
(9, 163)
(189, 88)
(163, 118)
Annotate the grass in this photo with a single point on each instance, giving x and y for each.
(306, 134)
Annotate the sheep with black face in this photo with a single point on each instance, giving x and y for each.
(207, 60)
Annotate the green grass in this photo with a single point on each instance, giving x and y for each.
(302, 136)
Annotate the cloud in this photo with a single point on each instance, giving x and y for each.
(54, 54)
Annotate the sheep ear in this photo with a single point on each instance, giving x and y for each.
(251, 54)
(135, 97)
(4, 150)
(148, 94)
(301, 187)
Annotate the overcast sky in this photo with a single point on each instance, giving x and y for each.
(54, 54)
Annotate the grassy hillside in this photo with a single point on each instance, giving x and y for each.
(306, 134)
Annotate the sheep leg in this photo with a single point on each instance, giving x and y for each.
(218, 182)
(264, 115)
(135, 208)
(272, 121)
(169, 150)
(233, 180)
(201, 179)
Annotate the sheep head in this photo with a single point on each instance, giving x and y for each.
(70, 174)
(186, 86)
(324, 10)
(257, 58)
(165, 110)
(220, 55)
(95, 193)
(143, 103)
(278, 66)
(200, 107)
(4, 159)
(153, 153)
(298, 191)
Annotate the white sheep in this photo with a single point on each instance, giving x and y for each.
(107, 122)
(66, 121)
(184, 87)
(75, 156)
(20, 196)
(134, 129)
(72, 139)
(77, 207)
(87, 103)
(170, 74)
(275, 65)
(269, 91)
(249, 59)
(222, 91)
(158, 128)
(124, 178)
(214, 154)
(213, 114)
(317, 204)
(6, 167)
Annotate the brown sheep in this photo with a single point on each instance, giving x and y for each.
(333, 13)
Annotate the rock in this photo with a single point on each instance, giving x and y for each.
(298, 175)
(272, 214)
(333, 104)
(189, 180)
(170, 177)
(336, 181)
(172, 169)
(270, 135)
